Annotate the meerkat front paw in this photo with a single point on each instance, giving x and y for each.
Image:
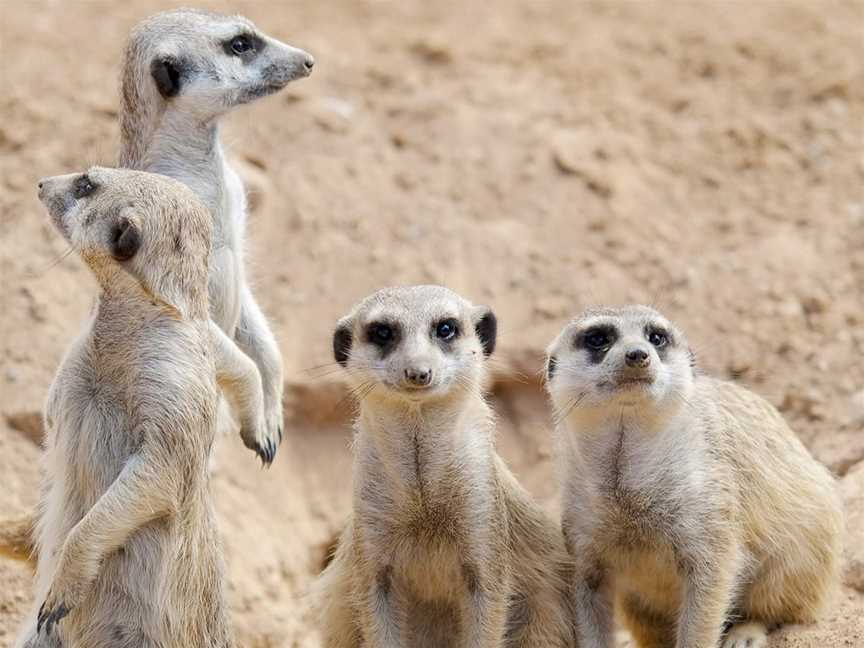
(256, 436)
(274, 419)
(52, 611)
(746, 635)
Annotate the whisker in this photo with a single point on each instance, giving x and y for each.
(52, 264)
(559, 416)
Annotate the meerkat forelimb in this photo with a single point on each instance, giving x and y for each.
(688, 503)
(183, 70)
(444, 547)
(129, 554)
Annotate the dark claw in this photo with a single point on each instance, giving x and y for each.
(280, 433)
(49, 619)
(266, 452)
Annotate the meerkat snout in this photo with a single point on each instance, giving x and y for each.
(637, 358)
(418, 377)
(60, 194)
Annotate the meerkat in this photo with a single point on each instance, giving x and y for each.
(688, 503)
(183, 70)
(444, 547)
(128, 548)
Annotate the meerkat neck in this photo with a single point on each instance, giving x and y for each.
(178, 145)
(648, 421)
(419, 449)
(124, 298)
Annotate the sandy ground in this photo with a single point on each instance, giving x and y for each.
(538, 157)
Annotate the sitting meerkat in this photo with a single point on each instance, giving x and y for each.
(444, 547)
(687, 501)
(183, 70)
(128, 546)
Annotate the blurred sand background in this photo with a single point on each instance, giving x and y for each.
(539, 157)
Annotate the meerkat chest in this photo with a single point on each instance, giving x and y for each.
(226, 259)
(423, 541)
(235, 203)
(646, 484)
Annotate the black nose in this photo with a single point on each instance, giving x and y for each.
(309, 62)
(40, 184)
(637, 358)
(419, 377)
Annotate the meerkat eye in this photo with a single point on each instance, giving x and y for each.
(447, 329)
(658, 338)
(381, 334)
(83, 187)
(597, 338)
(241, 44)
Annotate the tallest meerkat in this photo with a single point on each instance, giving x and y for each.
(183, 70)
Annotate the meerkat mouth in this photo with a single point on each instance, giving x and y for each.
(626, 383)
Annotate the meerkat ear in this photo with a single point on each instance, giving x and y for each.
(125, 239)
(342, 340)
(551, 366)
(486, 327)
(165, 71)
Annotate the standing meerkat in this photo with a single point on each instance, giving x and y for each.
(444, 547)
(183, 70)
(128, 547)
(688, 502)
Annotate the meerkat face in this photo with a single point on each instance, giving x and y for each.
(140, 224)
(206, 63)
(631, 356)
(415, 343)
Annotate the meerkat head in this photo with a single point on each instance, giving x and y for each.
(135, 228)
(415, 343)
(621, 357)
(205, 63)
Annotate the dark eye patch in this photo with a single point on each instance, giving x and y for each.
(597, 340)
(660, 339)
(447, 330)
(83, 187)
(245, 46)
(384, 335)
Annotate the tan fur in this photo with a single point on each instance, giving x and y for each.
(687, 500)
(444, 548)
(128, 547)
